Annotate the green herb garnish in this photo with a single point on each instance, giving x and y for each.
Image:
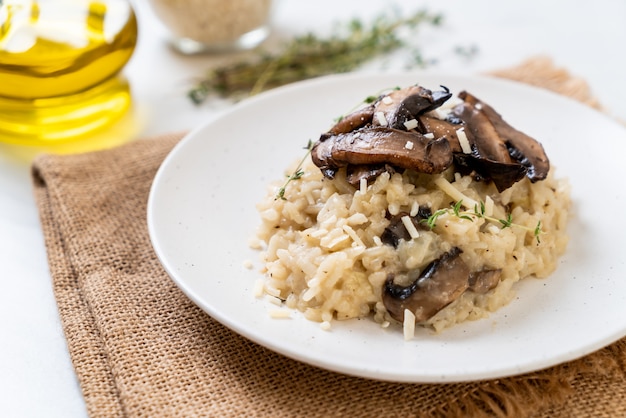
(479, 212)
(310, 56)
(296, 175)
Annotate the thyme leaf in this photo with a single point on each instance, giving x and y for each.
(506, 223)
(537, 232)
(431, 221)
(308, 56)
(480, 213)
(296, 175)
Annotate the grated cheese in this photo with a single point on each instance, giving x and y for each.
(380, 117)
(410, 124)
(454, 193)
(363, 185)
(408, 325)
(463, 141)
(408, 224)
(439, 113)
(488, 206)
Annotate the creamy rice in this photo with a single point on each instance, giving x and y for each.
(324, 256)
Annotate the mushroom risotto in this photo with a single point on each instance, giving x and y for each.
(418, 208)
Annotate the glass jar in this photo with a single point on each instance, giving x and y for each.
(60, 63)
(199, 26)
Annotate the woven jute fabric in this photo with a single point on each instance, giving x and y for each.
(140, 348)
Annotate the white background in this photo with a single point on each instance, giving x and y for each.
(36, 375)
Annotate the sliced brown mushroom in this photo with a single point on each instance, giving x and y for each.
(396, 230)
(439, 128)
(484, 280)
(521, 148)
(438, 285)
(354, 173)
(354, 120)
(376, 146)
(489, 157)
(406, 104)
(482, 135)
(503, 175)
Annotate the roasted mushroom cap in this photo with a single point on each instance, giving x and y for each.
(355, 173)
(354, 120)
(503, 175)
(441, 128)
(522, 148)
(379, 146)
(438, 285)
(485, 140)
(499, 152)
(400, 106)
(396, 230)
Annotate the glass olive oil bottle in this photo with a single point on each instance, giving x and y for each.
(59, 68)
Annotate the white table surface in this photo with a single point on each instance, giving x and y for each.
(36, 375)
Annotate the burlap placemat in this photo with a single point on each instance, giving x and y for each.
(142, 349)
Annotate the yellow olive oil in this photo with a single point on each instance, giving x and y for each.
(59, 67)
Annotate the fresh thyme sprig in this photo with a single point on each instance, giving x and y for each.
(297, 173)
(479, 212)
(308, 56)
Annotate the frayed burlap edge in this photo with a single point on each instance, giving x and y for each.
(563, 391)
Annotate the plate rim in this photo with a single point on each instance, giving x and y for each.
(268, 95)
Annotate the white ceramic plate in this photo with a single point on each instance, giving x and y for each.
(201, 215)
